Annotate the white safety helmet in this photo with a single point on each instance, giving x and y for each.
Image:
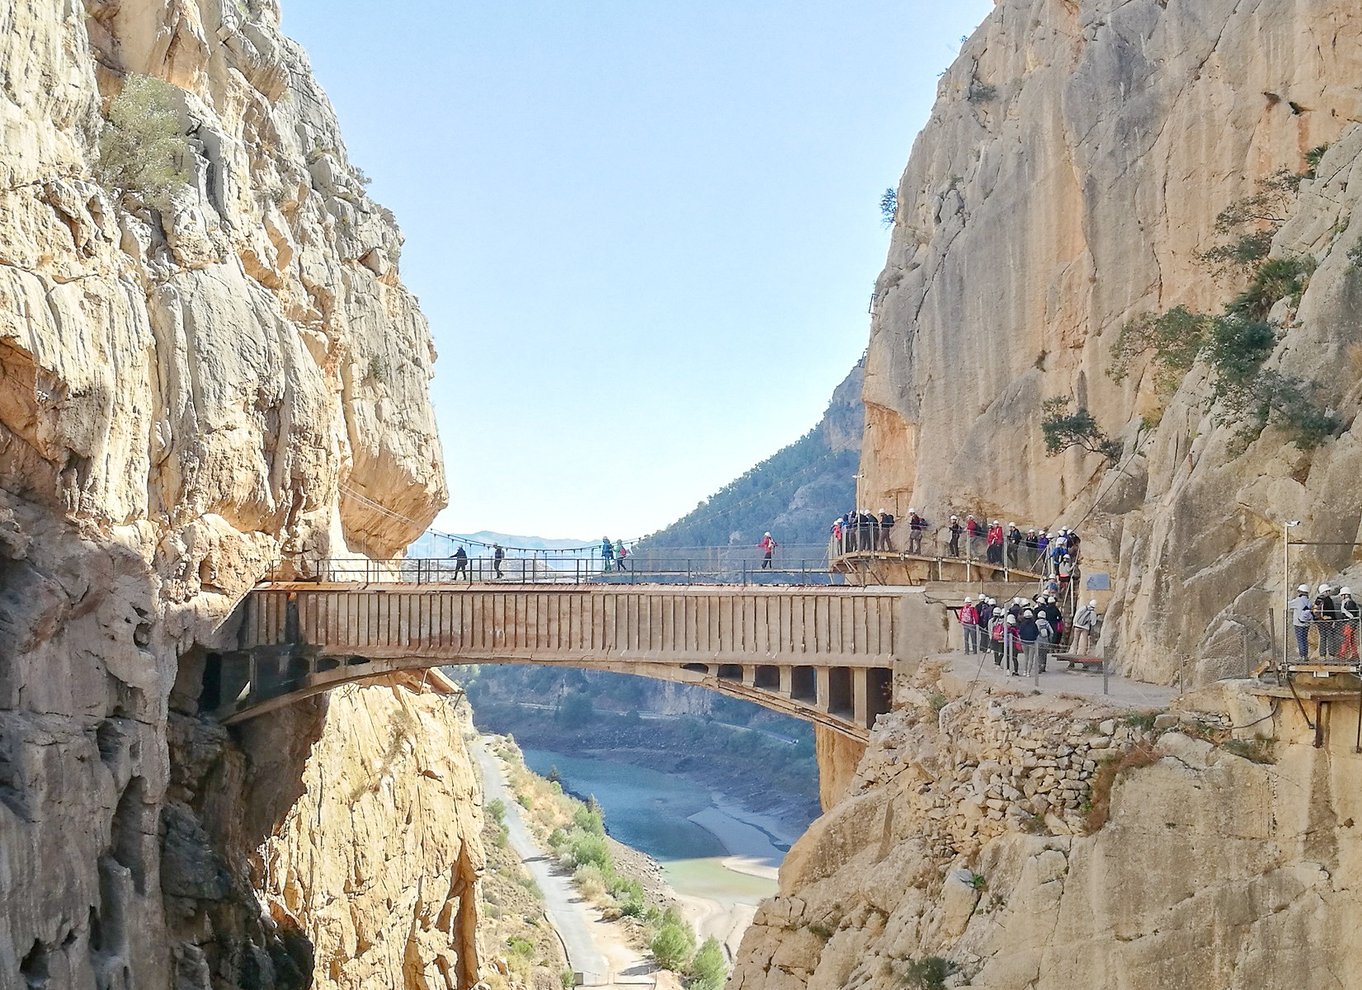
(1323, 588)
(768, 534)
(1092, 603)
(1011, 620)
(968, 599)
(1345, 591)
(1303, 588)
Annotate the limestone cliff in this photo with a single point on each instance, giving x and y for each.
(207, 364)
(1070, 181)
(1002, 840)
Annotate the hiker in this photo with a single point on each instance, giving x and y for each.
(996, 633)
(1028, 633)
(1301, 618)
(1045, 641)
(969, 621)
(1031, 547)
(1350, 612)
(607, 554)
(956, 530)
(1014, 538)
(995, 543)
(498, 555)
(837, 535)
(917, 528)
(1012, 645)
(621, 551)
(1085, 621)
(1326, 614)
(984, 611)
(460, 559)
(975, 530)
(886, 524)
(768, 547)
(1065, 571)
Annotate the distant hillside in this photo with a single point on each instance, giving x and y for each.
(795, 493)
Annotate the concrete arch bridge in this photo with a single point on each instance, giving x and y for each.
(826, 654)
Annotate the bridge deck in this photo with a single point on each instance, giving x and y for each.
(823, 653)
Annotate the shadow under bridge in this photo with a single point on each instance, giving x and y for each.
(823, 654)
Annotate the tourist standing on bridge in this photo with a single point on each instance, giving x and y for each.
(1014, 538)
(1029, 633)
(621, 551)
(1032, 546)
(607, 554)
(956, 530)
(916, 527)
(461, 564)
(1012, 645)
(768, 547)
(886, 524)
(1046, 639)
(1326, 614)
(1301, 618)
(498, 555)
(969, 622)
(1349, 612)
(1085, 621)
(974, 531)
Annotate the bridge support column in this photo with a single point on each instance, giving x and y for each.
(858, 695)
(787, 681)
(823, 688)
(749, 675)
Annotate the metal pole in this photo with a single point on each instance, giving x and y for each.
(1104, 676)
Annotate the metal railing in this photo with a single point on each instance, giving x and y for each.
(935, 543)
(679, 565)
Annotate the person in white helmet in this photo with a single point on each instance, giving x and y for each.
(956, 530)
(1350, 613)
(916, 527)
(768, 547)
(1085, 621)
(969, 622)
(1302, 617)
(1326, 615)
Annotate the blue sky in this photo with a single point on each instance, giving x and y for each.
(645, 235)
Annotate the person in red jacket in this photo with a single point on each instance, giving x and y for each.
(768, 547)
(995, 543)
(973, 530)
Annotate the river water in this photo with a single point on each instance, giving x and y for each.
(650, 810)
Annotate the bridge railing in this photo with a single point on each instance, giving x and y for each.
(679, 565)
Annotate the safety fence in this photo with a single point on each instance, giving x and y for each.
(936, 542)
(674, 565)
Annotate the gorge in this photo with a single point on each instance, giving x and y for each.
(210, 371)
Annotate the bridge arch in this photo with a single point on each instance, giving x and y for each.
(826, 654)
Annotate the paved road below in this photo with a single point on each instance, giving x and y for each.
(591, 951)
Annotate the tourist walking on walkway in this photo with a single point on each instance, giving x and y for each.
(1085, 621)
(956, 530)
(1028, 633)
(461, 564)
(969, 622)
(974, 531)
(1012, 644)
(1014, 538)
(1301, 618)
(886, 524)
(607, 554)
(621, 551)
(1350, 612)
(498, 555)
(1326, 612)
(768, 547)
(995, 543)
(916, 527)
(1045, 640)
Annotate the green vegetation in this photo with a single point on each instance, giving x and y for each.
(1144, 721)
(937, 701)
(1097, 807)
(1174, 338)
(1313, 158)
(576, 708)
(978, 881)
(1063, 429)
(376, 370)
(1275, 278)
(928, 973)
(143, 149)
(889, 207)
(673, 945)
(709, 969)
(981, 92)
(1255, 750)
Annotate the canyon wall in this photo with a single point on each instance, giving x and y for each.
(1069, 181)
(999, 839)
(208, 366)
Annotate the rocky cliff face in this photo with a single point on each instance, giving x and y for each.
(1009, 841)
(1070, 181)
(207, 364)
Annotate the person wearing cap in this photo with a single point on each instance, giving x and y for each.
(1350, 612)
(1029, 545)
(886, 524)
(1046, 640)
(917, 525)
(956, 530)
(1326, 614)
(1014, 538)
(1302, 615)
(1085, 621)
(969, 622)
(768, 547)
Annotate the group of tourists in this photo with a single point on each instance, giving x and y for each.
(460, 558)
(1024, 633)
(1335, 619)
(1054, 553)
(613, 555)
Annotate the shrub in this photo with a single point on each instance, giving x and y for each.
(576, 708)
(1236, 351)
(376, 370)
(585, 848)
(1063, 430)
(1099, 799)
(1175, 338)
(674, 944)
(937, 701)
(981, 92)
(1275, 278)
(143, 148)
(497, 809)
(709, 968)
(589, 819)
(928, 973)
(590, 880)
(1313, 158)
(518, 946)
(1241, 252)
(568, 978)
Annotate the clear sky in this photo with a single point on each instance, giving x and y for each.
(645, 234)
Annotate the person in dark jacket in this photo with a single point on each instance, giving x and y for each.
(1014, 538)
(498, 555)
(886, 524)
(461, 564)
(956, 530)
(1326, 619)
(1029, 633)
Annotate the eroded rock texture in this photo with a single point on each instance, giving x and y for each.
(192, 387)
(1070, 180)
